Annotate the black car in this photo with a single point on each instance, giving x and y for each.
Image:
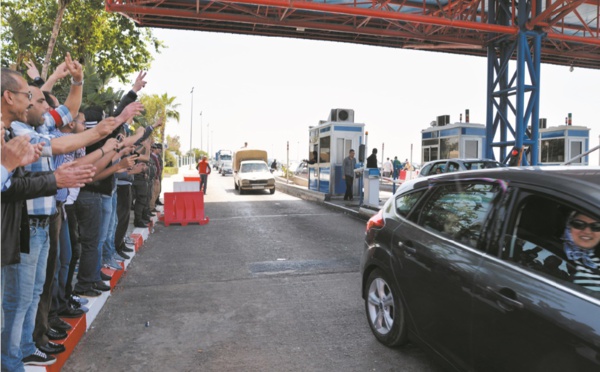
(473, 267)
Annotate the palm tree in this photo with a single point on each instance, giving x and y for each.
(158, 106)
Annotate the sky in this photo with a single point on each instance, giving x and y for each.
(267, 91)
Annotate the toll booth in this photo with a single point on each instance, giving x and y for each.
(445, 140)
(562, 143)
(329, 143)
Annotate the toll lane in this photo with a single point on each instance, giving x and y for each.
(270, 284)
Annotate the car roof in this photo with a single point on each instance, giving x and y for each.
(573, 180)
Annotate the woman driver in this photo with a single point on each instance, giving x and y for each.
(582, 235)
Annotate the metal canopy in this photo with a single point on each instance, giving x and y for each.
(571, 28)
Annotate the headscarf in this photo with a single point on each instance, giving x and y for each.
(577, 254)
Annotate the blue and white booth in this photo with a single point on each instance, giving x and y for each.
(329, 143)
(445, 140)
(562, 143)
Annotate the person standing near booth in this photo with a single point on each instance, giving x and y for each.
(348, 166)
(203, 170)
(372, 159)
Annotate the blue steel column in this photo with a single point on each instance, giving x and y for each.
(501, 88)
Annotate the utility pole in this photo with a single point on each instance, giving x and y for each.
(191, 122)
(201, 142)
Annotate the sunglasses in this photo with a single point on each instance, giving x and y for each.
(580, 225)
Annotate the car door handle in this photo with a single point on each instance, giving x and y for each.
(409, 250)
(505, 298)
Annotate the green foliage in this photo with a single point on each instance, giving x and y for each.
(112, 42)
(158, 106)
(198, 153)
(174, 145)
(169, 171)
(170, 160)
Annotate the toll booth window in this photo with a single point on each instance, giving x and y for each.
(449, 148)
(553, 150)
(325, 146)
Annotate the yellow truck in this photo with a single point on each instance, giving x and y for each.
(251, 172)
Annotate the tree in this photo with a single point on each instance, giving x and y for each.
(62, 6)
(174, 145)
(91, 34)
(158, 106)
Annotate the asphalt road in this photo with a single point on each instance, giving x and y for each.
(270, 284)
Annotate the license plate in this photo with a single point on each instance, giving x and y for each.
(258, 187)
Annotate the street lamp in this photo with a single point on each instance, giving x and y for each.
(191, 122)
(201, 141)
(208, 139)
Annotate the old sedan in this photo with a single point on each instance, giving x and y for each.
(457, 165)
(491, 270)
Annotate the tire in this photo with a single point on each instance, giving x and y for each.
(242, 192)
(272, 191)
(384, 309)
(235, 186)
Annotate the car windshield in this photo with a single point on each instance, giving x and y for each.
(254, 168)
(225, 157)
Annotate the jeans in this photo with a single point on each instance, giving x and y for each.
(75, 247)
(104, 224)
(59, 298)
(203, 181)
(45, 303)
(123, 215)
(108, 248)
(87, 208)
(23, 284)
(349, 188)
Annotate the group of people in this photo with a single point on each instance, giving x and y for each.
(393, 168)
(68, 181)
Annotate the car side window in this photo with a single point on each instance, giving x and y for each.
(405, 202)
(453, 167)
(425, 170)
(535, 240)
(458, 211)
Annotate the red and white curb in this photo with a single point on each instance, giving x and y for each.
(82, 324)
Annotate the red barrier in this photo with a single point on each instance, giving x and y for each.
(184, 207)
(403, 175)
(191, 178)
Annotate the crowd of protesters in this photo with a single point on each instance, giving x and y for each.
(70, 177)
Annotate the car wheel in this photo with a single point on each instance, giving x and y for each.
(385, 310)
(272, 191)
(235, 186)
(241, 191)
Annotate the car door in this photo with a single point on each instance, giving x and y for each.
(527, 314)
(438, 256)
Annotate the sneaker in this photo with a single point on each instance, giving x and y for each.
(127, 249)
(123, 255)
(103, 277)
(39, 359)
(129, 240)
(112, 264)
(118, 258)
(80, 300)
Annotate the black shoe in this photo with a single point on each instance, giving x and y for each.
(52, 348)
(127, 249)
(105, 276)
(53, 334)
(88, 293)
(158, 203)
(59, 324)
(39, 359)
(124, 255)
(101, 286)
(69, 312)
(141, 224)
(154, 210)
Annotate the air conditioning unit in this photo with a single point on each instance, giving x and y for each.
(346, 115)
(443, 120)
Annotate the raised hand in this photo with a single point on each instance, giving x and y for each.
(73, 175)
(61, 71)
(158, 123)
(110, 145)
(19, 152)
(127, 163)
(32, 71)
(139, 82)
(74, 68)
(106, 126)
(131, 110)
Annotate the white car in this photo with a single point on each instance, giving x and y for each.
(254, 175)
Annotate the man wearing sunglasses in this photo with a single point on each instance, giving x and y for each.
(582, 236)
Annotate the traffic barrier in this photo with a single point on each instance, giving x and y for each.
(184, 208)
(186, 186)
(191, 179)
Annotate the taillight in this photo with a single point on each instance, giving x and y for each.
(376, 221)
